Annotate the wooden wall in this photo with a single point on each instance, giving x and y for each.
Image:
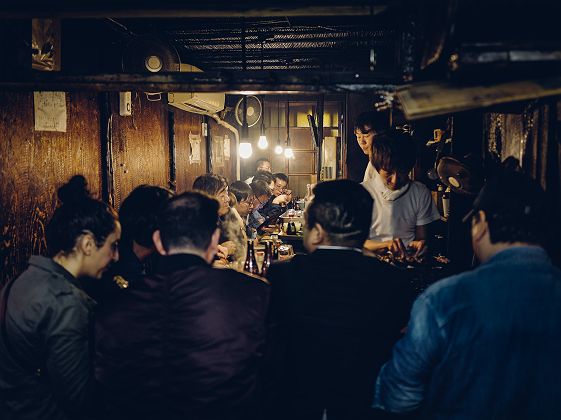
(140, 146)
(221, 163)
(33, 164)
(186, 123)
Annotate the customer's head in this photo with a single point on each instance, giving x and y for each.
(511, 209)
(265, 176)
(340, 214)
(139, 213)
(281, 182)
(189, 224)
(83, 230)
(367, 125)
(261, 192)
(215, 186)
(393, 155)
(263, 164)
(244, 197)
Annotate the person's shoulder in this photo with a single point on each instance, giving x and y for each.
(418, 188)
(449, 285)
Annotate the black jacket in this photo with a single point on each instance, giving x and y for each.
(46, 367)
(335, 315)
(183, 343)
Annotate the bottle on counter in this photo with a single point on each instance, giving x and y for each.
(291, 229)
(446, 203)
(439, 194)
(275, 247)
(250, 264)
(267, 258)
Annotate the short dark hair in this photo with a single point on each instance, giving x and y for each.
(343, 208)
(188, 220)
(515, 207)
(261, 160)
(260, 187)
(393, 150)
(376, 120)
(78, 213)
(212, 184)
(264, 176)
(139, 213)
(281, 176)
(240, 190)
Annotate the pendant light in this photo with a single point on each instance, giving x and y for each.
(288, 152)
(263, 143)
(245, 149)
(278, 147)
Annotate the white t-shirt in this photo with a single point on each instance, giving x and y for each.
(369, 172)
(249, 180)
(397, 214)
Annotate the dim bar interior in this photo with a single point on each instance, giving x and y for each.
(306, 125)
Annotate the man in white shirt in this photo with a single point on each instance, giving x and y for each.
(366, 126)
(402, 208)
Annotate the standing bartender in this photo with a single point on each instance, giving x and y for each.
(403, 209)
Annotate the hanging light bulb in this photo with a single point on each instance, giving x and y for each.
(278, 147)
(245, 149)
(289, 153)
(263, 143)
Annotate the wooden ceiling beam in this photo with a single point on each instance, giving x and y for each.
(229, 82)
(170, 9)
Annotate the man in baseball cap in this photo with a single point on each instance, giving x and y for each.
(478, 341)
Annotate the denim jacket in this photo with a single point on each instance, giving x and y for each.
(482, 344)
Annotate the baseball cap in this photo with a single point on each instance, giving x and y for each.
(511, 195)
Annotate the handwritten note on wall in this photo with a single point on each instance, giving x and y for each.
(50, 111)
(195, 143)
(226, 147)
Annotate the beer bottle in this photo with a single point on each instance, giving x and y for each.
(275, 248)
(266, 259)
(250, 264)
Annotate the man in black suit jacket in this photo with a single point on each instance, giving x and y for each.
(335, 313)
(185, 342)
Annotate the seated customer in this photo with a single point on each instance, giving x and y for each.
(281, 184)
(185, 343)
(335, 313)
(485, 344)
(138, 215)
(231, 241)
(242, 203)
(402, 208)
(261, 194)
(46, 319)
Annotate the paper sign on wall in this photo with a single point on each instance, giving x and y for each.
(218, 151)
(50, 111)
(226, 147)
(195, 142)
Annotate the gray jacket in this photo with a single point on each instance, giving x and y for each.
(46, 366)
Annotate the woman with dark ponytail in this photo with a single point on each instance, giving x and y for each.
(46, 325)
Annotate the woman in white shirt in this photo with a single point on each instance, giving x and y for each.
(366, 126)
